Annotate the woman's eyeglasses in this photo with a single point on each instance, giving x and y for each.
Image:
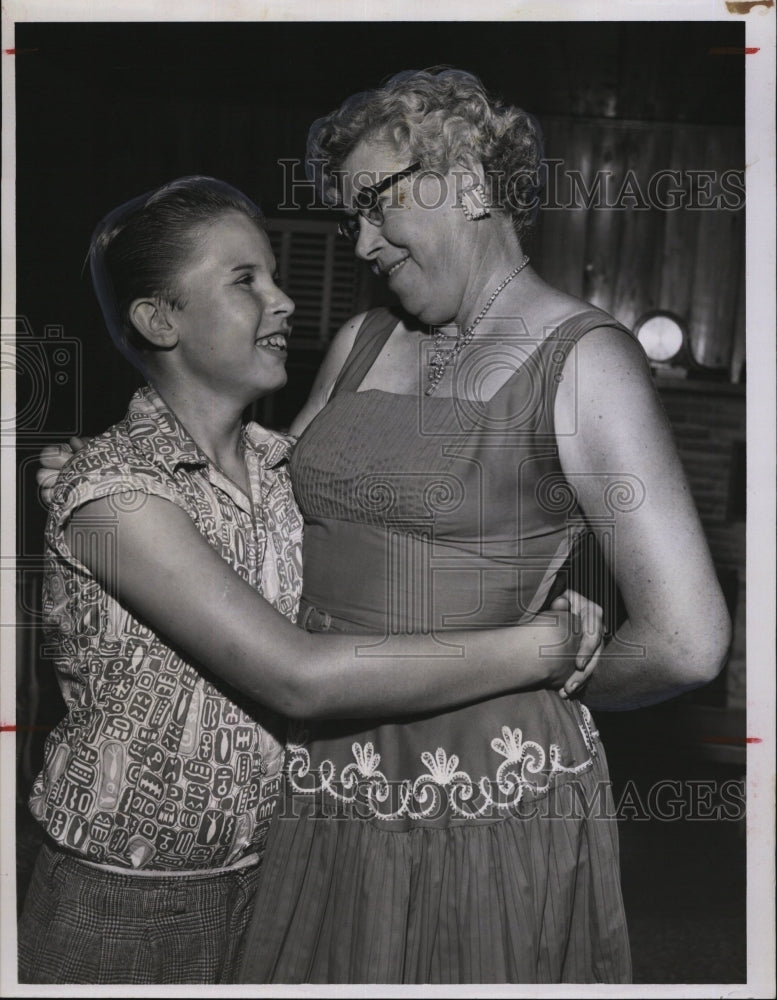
(367, 204)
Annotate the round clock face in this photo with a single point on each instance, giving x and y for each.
(661, 336)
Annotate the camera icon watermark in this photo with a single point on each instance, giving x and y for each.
(47, 368)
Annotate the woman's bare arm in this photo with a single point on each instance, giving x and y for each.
(618, 454)
(168, 575)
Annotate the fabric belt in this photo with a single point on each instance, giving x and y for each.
(248, 861)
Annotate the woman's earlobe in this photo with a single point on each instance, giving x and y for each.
(471, 193)
(474, 203)
(151, 318)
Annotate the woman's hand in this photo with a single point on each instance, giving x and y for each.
(53, 458)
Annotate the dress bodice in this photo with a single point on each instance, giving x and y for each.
(434, 511)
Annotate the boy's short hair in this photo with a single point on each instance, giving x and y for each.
(138, 249)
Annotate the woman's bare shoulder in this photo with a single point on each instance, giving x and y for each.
(599, 341)
(339, 348)
(558, 306)
(341, 345)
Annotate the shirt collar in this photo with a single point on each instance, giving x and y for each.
(272, 447)
(156, 431)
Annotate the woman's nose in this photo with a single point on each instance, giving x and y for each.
(370, 240)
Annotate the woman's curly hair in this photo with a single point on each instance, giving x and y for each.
(442, 116)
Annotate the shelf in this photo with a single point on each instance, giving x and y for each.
(709, 387)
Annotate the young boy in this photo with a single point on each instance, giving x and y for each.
(158, 787)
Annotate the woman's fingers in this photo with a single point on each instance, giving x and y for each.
(55, 456)
(52, 458)
(46, 477)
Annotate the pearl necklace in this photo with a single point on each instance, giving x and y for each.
(441, 359)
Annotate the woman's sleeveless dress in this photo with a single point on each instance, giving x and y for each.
(476, 845)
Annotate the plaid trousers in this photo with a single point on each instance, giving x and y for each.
(81, 924)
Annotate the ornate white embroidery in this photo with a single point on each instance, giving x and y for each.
(588, 729)
(526, 768)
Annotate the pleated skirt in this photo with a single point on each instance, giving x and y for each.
(534, 898)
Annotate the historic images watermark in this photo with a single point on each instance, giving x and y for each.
(49, 382)
(553, 188)
(668, 800)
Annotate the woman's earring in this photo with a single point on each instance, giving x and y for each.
(474, 203)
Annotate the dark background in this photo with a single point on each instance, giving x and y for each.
(106, 111)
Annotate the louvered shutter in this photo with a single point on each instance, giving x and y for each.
(319, 271)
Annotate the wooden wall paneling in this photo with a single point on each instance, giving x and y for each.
(735, 160)
(717, 268)
(564, 223)
(603, 231)
(543, 242)
(534, 242)
(681, 229)
(638, 265)
(739, 348)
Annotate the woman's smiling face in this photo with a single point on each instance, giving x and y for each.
(424, 247)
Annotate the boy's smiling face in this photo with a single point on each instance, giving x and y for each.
(233, 324)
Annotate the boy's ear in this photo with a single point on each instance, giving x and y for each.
(151, 318)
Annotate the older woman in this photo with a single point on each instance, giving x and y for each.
(450, 454)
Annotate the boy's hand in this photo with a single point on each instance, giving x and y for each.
(591, 643)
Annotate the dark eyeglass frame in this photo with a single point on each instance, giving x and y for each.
(369, 207)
